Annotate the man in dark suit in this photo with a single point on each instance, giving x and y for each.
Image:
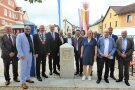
(53, 43)
(112, 63)
(61, 41)
(77, 47)
(125, 48)
(96, 35)
(9, 54)
(40, 46)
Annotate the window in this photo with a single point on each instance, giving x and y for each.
(129, 18)
(10, 14)
(116, 24)
(9, 2)
(5, 12)
(110, 15)
(105, 25)
(110, 24)
(12, 4)
(13, 15)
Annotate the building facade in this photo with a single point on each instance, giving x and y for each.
(119, 17)
(97, 26)
(10, 13)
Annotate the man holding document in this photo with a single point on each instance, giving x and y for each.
(106, 48)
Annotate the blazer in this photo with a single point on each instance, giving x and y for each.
(7, 47)
(71, 39)
(101, 46)
(79, 44)
(23, 46)
(114, 37)
(53, 45)
(129, 49)
(38, 46)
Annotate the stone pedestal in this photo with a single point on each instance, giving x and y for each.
(66, 61)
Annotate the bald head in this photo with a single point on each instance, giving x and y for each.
(124, 34)
(8, 29)
(106, 33)
(27, 29)
(42, 28)
(52, 28)
(69, 34)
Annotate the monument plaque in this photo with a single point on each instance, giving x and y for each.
(66, 61)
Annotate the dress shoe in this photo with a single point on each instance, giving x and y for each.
(80, 74)
(113, 77)
(7, 83)
(50, 73)
(119, 80)
(44, 75)
(55, 72)
(106, 80)
(127, 83)
(39, 78)
(29, 81)
(76, 73)
(16, 80)
(98, 81)
(24, 86)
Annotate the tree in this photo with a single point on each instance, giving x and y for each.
(32, 1)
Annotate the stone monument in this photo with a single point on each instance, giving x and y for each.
(66, 61)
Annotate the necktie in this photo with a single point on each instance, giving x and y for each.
(52, 35)
(10, 39)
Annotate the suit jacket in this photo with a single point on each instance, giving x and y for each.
(101, 46)
(129, 49)
(38, 46)
(23, 46)
(71, 39)
(53, 45)
(60, 42)
(114, 37)
(7, 46)
(79, 44)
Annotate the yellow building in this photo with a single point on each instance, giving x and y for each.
(119, 17)
(97, 26)
(111, 19)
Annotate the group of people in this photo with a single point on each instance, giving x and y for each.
(103, 48)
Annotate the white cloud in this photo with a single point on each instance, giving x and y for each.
(47, 12)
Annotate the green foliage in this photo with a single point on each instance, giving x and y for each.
(33, 1)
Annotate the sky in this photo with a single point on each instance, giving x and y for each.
(47, 12)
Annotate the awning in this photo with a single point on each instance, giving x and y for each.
(130, 31)
(17, 26)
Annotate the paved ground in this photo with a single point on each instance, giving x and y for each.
(55, 82)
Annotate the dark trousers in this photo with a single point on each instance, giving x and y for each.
(112, 66)
(123, 65)
(78, 60)
(58, 64)
(100, 66)
(39, 60)
(53, 57)
(7, 62)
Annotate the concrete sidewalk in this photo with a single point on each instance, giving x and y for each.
(57, 83)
